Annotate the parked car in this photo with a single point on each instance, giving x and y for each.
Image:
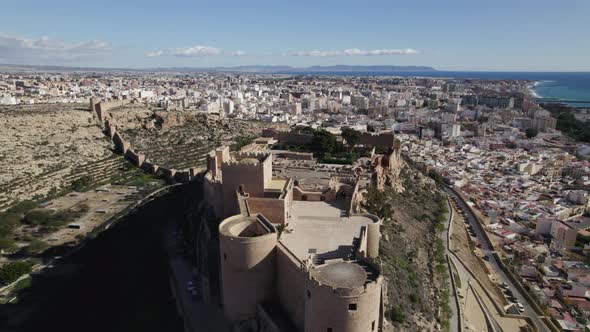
(520, 307)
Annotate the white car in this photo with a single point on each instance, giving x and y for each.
(520, 307)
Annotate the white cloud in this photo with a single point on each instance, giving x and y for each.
(45, 48)
(195, 51)
(154, 54)
(203, 51)
(354, 51)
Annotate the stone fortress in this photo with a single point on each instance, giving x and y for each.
(296, 253)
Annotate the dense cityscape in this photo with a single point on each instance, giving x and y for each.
(295, 166)
(519, 184)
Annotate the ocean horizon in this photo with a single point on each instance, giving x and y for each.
(563, 87)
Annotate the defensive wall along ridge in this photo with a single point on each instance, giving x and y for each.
(123, 147)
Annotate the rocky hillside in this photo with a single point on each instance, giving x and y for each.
(180, 139)
(408, 252)
(47, 146)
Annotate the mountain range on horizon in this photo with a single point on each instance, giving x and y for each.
(237, 69)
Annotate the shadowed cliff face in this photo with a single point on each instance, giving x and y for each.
(117, 282)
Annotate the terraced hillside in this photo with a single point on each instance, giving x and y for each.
(179, 139)
(45, 147)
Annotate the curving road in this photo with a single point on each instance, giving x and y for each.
(477, 227)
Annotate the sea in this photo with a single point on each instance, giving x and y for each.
(571, 88)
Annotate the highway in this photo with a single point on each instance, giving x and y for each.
(528, 310)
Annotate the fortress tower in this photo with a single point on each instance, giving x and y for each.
(344, 297)
(247, 249)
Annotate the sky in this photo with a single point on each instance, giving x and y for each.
(469, 35)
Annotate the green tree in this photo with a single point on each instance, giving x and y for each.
(81, 183)
(36, 247)
(12, 271)
(351, 136)
(39, 217)
(396, 314)
(436, 177)
(7, 243)
(241, 141)
(22, 207)
(323, 142)
(378, 203)
(531, 132)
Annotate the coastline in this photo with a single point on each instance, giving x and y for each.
(532, 90)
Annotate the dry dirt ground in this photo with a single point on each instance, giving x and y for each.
(102, 203)
(45, 147)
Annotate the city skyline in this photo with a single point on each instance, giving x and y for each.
(456, 35)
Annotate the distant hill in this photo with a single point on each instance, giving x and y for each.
(237, 69)
(345, 68)
(312, 69)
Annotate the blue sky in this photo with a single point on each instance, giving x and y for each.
(527, 35)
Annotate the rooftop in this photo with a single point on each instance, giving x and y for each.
(341, 275)
(323, 229)
(242, 226)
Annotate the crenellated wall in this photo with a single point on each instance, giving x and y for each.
(123, 147)
(383, 139)
(136, 159)
(101, 107)
(288, 137)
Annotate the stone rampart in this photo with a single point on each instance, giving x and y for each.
(123, 147)
(383, 139)
(136, 159)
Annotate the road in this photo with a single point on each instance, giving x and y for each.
(454, 319)
(528, 310)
